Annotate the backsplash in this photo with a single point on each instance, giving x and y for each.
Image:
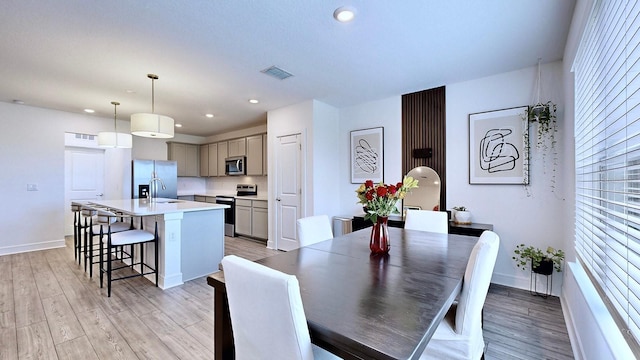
(228, 183)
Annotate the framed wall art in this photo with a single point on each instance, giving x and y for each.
(498, 151)
(367, 155)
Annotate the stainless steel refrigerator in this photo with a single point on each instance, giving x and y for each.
(142, 171)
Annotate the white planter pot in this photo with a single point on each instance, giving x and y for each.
(462, 217)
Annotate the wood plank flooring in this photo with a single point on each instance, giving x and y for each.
(51, 309)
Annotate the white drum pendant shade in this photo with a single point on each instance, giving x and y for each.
(152, 125)
(114, 139)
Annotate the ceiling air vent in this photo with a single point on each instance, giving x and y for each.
(276, 72)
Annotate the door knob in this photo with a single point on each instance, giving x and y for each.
(100, 194)
(277, 199)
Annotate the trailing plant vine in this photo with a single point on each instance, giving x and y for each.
(544, 114)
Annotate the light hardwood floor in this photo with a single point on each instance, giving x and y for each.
(50, 309)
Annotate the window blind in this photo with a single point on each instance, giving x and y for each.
(607, 155)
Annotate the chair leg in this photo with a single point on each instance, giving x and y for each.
(141, 258)
(109, 266)
(101, 262)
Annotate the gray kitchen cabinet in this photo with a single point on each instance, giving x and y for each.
(259, 219)
(187, 156)
(243, 217)
(237, 147)
(212, 159)
(254, 155)
(252, 218)
(204, 160)
(186, 197)
(264, 154)
(200, 198)
(223, 153)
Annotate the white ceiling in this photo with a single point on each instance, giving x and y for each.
(75, 54)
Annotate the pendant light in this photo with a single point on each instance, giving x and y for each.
(113, 138)
(152, 125)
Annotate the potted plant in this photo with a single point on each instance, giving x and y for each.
(461, 215)
(542, 262)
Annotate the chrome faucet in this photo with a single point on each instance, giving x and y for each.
(153, 187)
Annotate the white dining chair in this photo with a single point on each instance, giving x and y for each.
(459, 334)
(314, 229)
(426, 220)
(267, 316)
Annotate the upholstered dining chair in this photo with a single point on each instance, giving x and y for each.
(267, 316)
(459, 335)
(426, 220)
(314, 229)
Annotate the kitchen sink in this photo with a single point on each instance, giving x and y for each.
(168, 201)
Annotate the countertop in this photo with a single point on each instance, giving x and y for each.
(223, 193)
(142, 207)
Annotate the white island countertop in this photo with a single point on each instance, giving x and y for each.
(143, 207)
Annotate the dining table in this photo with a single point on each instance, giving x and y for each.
(364, 306)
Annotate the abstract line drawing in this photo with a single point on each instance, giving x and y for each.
(366, 157)
(496, 152)
(367, 154)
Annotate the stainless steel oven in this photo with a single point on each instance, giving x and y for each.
(229, 214)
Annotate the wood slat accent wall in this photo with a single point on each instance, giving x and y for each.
(424, 126)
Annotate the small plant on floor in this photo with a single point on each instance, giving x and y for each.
(529, 254)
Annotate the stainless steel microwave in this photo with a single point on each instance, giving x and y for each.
(235, 165)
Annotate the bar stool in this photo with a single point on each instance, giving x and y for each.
(85, 221)
(112, 241)
(75, 209)
(97, 222)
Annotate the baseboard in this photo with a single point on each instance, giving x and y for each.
(576, 344)
(522, 282)
(22, 248)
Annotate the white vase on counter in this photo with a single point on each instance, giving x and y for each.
(462, 217)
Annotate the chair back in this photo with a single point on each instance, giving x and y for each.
(314, 229)
(426, 220)
(266, 310)
(475, 286)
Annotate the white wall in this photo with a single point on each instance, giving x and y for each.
(324, 151)
(32, 150)
(386, 113)
(535, 216)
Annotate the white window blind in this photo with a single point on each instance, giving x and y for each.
(607, 155)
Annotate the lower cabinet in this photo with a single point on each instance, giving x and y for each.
(243, 217)
(252, 218)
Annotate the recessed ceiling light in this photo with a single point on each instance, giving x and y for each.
(209, 115)
(253, 101)
(19, 102)
(90, 111)
(129, 91)
(178, 125)
(344, 14)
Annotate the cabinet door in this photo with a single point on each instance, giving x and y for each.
(254, 155)
(264, 154)
(178, 153)
(192, 166)
(259, 221)
(213, 159)
(223, 153)
(204, 160)
(237, 147)
(243, 220)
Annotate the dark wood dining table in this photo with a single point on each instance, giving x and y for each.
(360, 306)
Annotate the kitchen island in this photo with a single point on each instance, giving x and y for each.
(191, 235)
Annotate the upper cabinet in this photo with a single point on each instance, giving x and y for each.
(223, 153)
(254, 155)
(238, 147)
(187, 156)
(212, 156)
(204, 160)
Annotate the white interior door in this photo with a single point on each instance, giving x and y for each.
(83, 180)
(288, 190)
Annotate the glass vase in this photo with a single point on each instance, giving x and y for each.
(379, 243)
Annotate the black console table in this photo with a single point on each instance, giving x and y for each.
(473, 229)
